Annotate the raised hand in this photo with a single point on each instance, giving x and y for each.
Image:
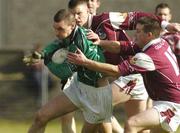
(93, 37)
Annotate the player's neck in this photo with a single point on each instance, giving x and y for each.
(89, 22)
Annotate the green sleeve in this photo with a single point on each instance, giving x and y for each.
(63, 70)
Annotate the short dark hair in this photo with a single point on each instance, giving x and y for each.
(73, 3)
(64, 14)
(162, 5)
(150, 25)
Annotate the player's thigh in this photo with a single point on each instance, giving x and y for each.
(146, 119)
(118, 95)
(57, 106)
(134, 106)
(67, 118)
(149, 103)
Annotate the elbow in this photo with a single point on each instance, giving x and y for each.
(116, 47)
(116, 74)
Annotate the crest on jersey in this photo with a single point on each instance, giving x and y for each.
(133, 60)
(102, 35)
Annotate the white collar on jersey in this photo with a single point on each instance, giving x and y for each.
(90, 18)
(152, 42)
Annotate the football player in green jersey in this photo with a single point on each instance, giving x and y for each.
(83, 91)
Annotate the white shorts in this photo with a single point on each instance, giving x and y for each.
(96, 103)
(134, 86)
(169, 115)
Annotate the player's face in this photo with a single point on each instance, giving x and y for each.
(63, 29)
(140, 36)
(81, 13)
(164, 13)
(93, 5)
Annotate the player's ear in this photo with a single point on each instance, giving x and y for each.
(149, 35)
(170, 17)
(73, 25)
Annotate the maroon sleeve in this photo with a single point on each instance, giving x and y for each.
(97, 19)
(125, 68)
(129, 48)
(132, 18)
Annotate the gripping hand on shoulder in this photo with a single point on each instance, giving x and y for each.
(77, 58)
(93, 37)
(33, 58)
(173, 27)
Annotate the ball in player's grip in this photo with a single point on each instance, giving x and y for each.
(60, 55)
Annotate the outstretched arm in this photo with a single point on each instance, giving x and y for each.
(108, 45)
(80, 59)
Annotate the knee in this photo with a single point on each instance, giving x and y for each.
(40, 118)
(130, 125)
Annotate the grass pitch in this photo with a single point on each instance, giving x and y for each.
(9, 126)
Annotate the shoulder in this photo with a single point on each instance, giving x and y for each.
(98, 20)
(143, 60)
(102, 16)
(53, 45)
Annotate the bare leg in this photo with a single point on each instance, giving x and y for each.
(144, 120)
(133, 107)
(68, 124)
(119, 96)
(116, 127)
(149, 103)
(58, 106)
(106, 127)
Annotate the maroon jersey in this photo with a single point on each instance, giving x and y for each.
(158, 66)
(111, 26)
(174, 42)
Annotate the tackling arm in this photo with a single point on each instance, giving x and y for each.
(80, 59)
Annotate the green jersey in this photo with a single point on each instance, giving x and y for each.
(77, 39)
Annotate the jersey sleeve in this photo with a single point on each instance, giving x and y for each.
(128, 48)
(140, 63)
(63, 70)
(49, 50)
(128, 22)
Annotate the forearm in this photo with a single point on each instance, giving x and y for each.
(110, 46)
(108, 69)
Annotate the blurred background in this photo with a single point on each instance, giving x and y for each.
(26, 25)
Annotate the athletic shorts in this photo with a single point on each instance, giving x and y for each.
(133, 85)
(169, 115)
(96, 103)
